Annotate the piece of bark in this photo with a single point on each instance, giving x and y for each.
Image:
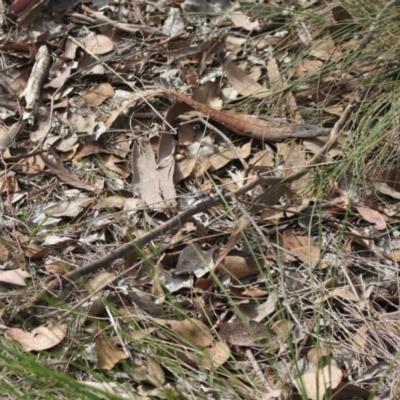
(31, 94)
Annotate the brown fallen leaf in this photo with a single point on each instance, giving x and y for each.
(198, 334)
(97, 94)
(99, 44)
(148, 370)
(14, 277)
(372, 216)
(64, 173)
(244, 84)
(107, 353)
(40, 338)
(316, 383)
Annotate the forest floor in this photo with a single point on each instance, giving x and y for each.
(199, 200)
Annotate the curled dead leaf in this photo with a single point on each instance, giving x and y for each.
(40, 338)
(98, 44)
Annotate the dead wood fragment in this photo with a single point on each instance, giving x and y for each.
(35, 83)
(130, 28)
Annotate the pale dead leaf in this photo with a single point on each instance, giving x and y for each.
(115, 164)
(273, 394)
(70, 49)
(346, 293)
(183, 169)
(316, 353)
(316, 383)
(234, 44)
(334, 110)
(174, 23)
(307, 67)
(302, 247)
(98, 44)
(101, 280)
(155, 182)
(69, 208)
(112, 388)
(107, 353)
(97, 94)
(198, 334)
(243, 21)
(8, 136)
(14, 277)
(147, 371)
(242, 83)
(372, 216)
(194, 259)
(60, 79)
(9, 183)
(384, 188)
(254, 291)
(326, 49)
(225, 156)
(194, 331)
(283, 327)
(40, 338)
(215, 356)
(166, 166)
(238, 267)
(360, 338)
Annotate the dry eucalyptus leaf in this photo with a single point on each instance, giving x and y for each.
(40, 338)
(112, 388)
(8, 136)
(372, 216)
(155, 373)
(101, 280)
(98, 44)
(315, 383)
(194, 259)
(238, 267)
(107, 353)
(243, 21)
(97, 94)
(242, 83)
(69, 208)
(14, 277)
(303, 248)
(110, 202)
(9, 183)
